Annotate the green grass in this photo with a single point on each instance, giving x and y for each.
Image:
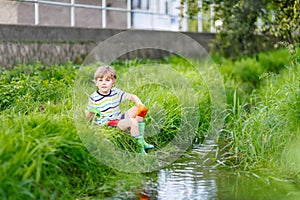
(263, 125)
(44, 157)
(41, 154)
(173, 108)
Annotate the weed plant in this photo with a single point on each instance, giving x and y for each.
(173, 108)
(41, 154)
(244, 76)
(43, 157)
(263, 127)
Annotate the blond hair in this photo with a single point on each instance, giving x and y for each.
(105, 71)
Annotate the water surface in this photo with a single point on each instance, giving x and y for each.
(195, 176)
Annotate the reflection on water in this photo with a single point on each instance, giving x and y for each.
(191, 177)
(177, 185)
(195, 177)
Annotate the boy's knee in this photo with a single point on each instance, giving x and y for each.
(133, 122)
(139, 119)
(134, 110)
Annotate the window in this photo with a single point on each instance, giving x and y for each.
(141, 4)
(166, 7)
(137, 4)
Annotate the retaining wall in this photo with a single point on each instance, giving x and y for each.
(56, 45)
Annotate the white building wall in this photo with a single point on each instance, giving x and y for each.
(158, 15)
(150, 14)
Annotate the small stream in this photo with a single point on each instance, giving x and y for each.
(189, 177)
(194, 176)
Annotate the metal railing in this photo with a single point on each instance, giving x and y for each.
(128, 10)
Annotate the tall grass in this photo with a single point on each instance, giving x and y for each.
(244, 75)
(43, 157)
(41, 154)
(171, 124)
(265, 123)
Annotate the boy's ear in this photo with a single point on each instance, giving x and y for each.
(95, 82)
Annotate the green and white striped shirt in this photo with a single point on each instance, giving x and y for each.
(109, 104)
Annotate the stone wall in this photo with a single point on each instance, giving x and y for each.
(13, 53)
(56, 45)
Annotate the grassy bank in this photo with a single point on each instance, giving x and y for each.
(42, 155)
(262, 126)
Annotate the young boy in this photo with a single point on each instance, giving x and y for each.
(105, 103)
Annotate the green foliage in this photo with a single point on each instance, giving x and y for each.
(193, 8)
(245, 75)
(237, 36)
(263, 124)
(30, 87)
(273, 124)
(164, 106)
(284, 21)
(42, 156)
(241, 34)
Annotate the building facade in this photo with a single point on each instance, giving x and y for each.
(118, 14)
(166, 17)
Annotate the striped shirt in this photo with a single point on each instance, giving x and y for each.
(109, 104)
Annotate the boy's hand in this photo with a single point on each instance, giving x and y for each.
(142, 110)
(96, 111)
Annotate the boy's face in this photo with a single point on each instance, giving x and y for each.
(104, 84)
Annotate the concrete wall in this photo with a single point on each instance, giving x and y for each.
(55, 45)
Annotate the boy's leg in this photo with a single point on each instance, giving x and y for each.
(142, 130)
(131, 113)
(134, 132)
(140, 141)
(136, 125)
(129, 123)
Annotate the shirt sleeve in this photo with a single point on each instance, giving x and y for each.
(124, 96)
(89, 105)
